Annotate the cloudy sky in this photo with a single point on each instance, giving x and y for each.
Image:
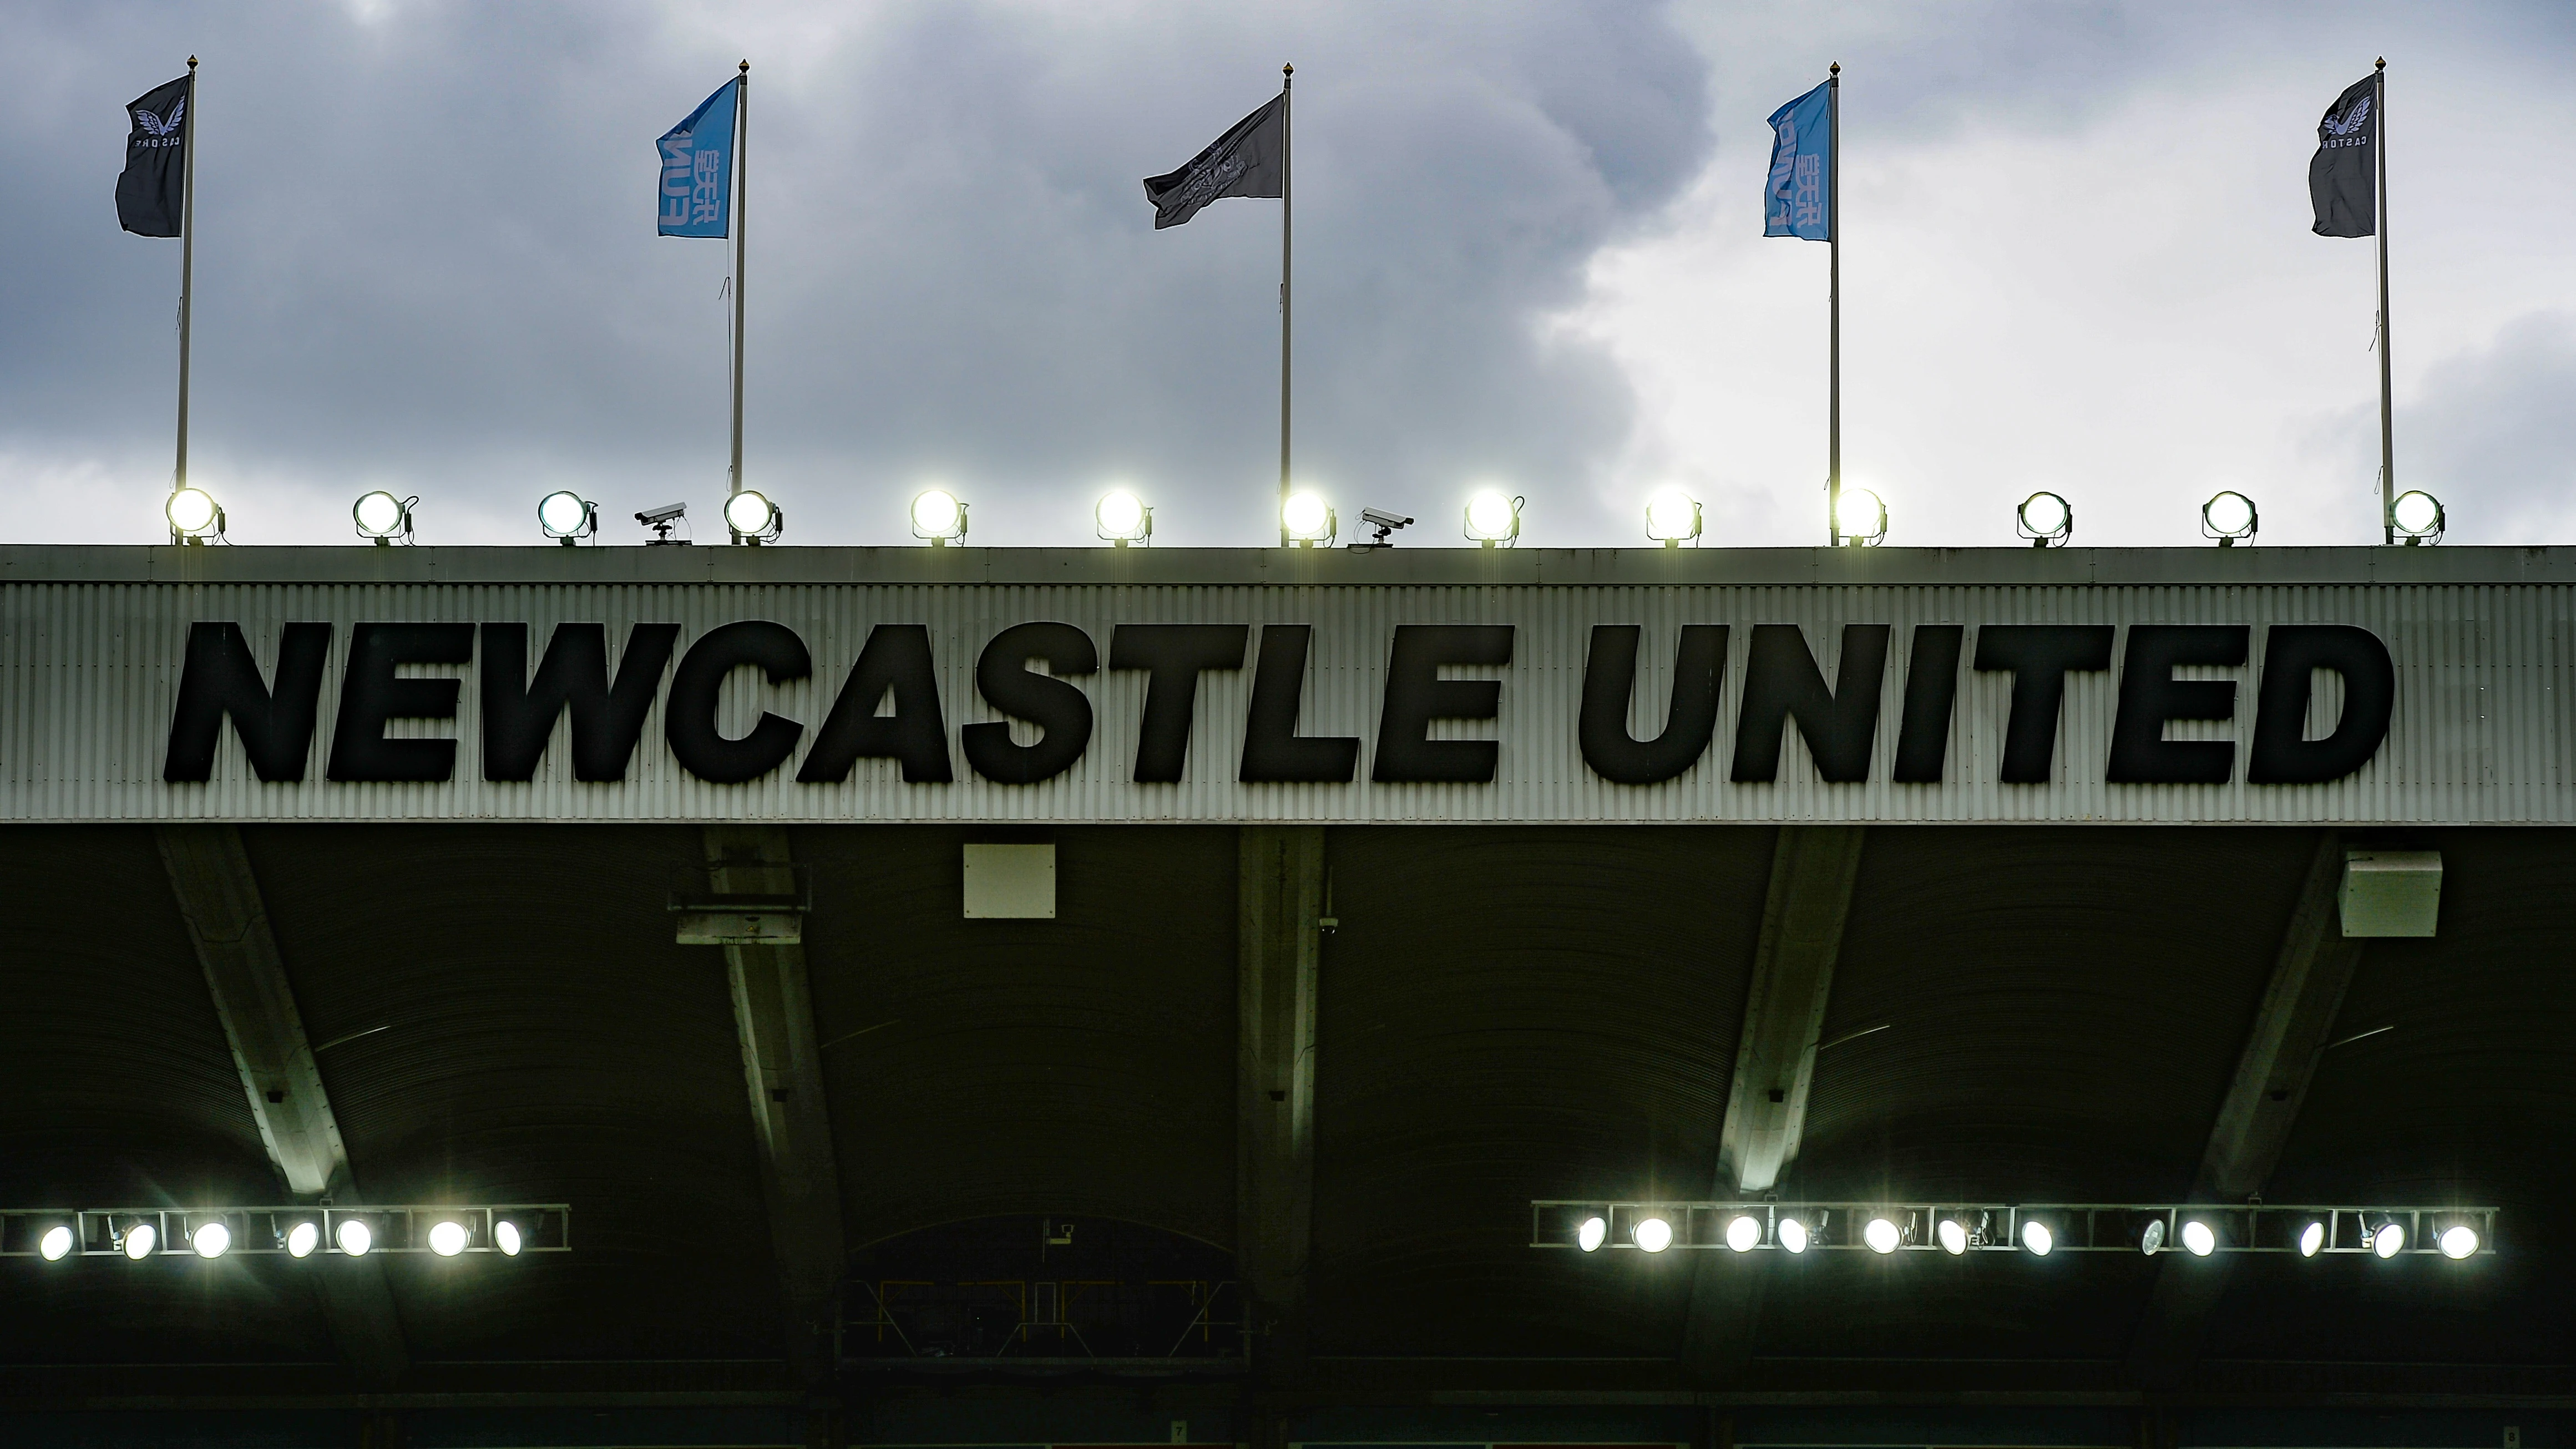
(1529, 252)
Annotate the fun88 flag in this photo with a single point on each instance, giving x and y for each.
(697, 168)
(1797, 198)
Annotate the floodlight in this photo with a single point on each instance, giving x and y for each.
(1589, 1236)
(448, 1237)
(354, 1237)
(1671, 517)
(211, 1238)
(1651, 1235)
(2388, 1240)
(1122, 518)
(2199, 1239)
(1860, 516)
(303, 1238)
(56, 1245)
(2036, 1237)
(140, 1239)
(2230, 518)
(193, 515)
(2459, 1240)
(1308, 519)
(567, 515)
(1881, 1235)
(2311, 1238)
(2045, 519)
(1744, 1232)
(1793, 1235)
(1953, 1235)
(937, 515)
(2151, 1239)
(381, 516)
(2417, 517)
(752, 518)
(1493, 518)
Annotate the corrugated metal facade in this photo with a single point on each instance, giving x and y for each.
(91, 670)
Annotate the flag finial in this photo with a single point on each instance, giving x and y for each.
(1287, 70)
(2383, 63)
(192, 62)
(1835, 69)
(746, 67)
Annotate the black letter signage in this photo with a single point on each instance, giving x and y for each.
(1610, 677)
(895, 660)
(689, 718)
(1416, 695)
(2150, 695)
(1061, 712)
(519, 713)
(1273, 751)
(1781, 682)
(221, 678)
(2040, 657)
(2292, 653)
(371, 694)
(1931, 690)
(1175, 653)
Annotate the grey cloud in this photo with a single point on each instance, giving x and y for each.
(2493, 435)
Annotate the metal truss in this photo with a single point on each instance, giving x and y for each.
(2253, 1227)
(391, 1228)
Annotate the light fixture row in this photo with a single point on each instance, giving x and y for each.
(298, 1232)
(2035, 1229)
(1306, 519)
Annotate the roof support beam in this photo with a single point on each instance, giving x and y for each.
(1813, 869)
(773, 1010)
(1279, 905)
(2291, 1029)
(219, 899)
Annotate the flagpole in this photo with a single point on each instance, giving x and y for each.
(2387, 418)
(1834, 294)
(741, 228)
(187, 264)
(1287, 78)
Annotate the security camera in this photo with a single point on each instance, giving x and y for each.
(1384, 522)
(663, 516)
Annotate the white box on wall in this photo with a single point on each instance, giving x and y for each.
(1010, 882)
(2391, 892)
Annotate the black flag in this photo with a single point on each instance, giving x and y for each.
(156, 155)
(1250, 159)
(2340, 174)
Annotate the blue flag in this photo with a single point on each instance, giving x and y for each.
(1798, 199)
(697, 169)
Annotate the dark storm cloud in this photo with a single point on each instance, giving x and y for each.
(427, 256)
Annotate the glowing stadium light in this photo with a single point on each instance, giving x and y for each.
(1744, 1232)
(381, 516)
(2417, 517)
(1793, 1235)
(937, 515)
(567, 516)
(752, 518)
(2230, 518)
(211, 1238)
(1860, 516)
(1122, 518)
(1882, 1236)
(2388, 1240)
(193, 515)
(2311, 1238)
(1308, 519)
(2199, 1239)
(1953, 1235)
(303, 1238)
(1651, 1235)
(1493, 518)
(57, 1243)
(1589, 1237)
(2151, 1238)
(354, 1237)
(2037, 1239)
(2457, 1241)
(448, 1237)
(139, 1240)
(1672, 517)
(2045, 519)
